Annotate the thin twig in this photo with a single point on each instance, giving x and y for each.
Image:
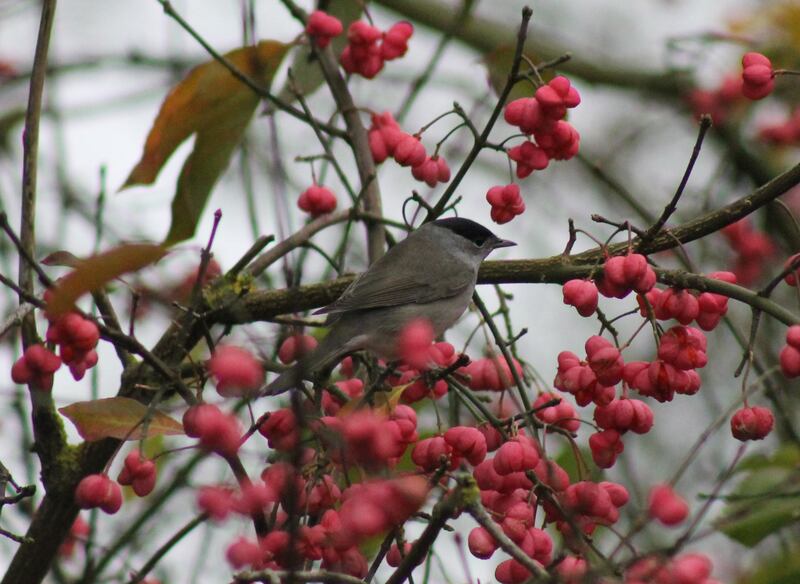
(168, 545)
(441, 204)
(705, 124)
(482, 517)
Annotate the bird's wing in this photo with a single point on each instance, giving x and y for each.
(402, 278)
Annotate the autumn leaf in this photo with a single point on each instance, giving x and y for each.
(62, 258)
(213, 104)
(118, 417)
(93, 273)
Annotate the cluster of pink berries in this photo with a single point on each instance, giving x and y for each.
(685, 306)
(440, 355)
(550, 137)
(541, 117)
(753, 249)
(76, 338)
(681, 351)
(368, 438)
(756, 81)
(491, 374)
(334, 539)
(386, 139)
(561, 415)
(689, 568)
(368, 48)
(36, 366)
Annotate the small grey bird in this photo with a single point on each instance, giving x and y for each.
(431, 274)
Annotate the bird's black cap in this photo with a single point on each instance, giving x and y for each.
(469, 229)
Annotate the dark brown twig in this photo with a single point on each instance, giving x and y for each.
(705, 124)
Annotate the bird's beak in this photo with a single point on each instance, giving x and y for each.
(503, 243)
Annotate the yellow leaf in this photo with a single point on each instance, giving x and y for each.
(93, 273)
(211, 103)
(118, 417)
(387, 402)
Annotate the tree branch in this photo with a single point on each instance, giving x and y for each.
(265, 305)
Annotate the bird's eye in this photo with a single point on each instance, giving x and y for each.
(479, 241)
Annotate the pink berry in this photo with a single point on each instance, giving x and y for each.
(317, 200)
(432, 170)
(295, 347)
(395, 40)
(529, 157)
(753, 423)
(562, 415)
(481, 544)
(467, 442)
(217, 502)
(394, 557)
(572, 570)
(236, 371)
(556, 97)
(789, 360)
(323, 27)
(506, 203)
(428, 454)
(665, 505)
(362, 33)
(409, 151)
(582, 294)
(36, 366)
(243, 552)
(98, 490)
(606, 446)
(281, 430)
(414, 343)
(757, 76)
(515, 455)
(524, 113)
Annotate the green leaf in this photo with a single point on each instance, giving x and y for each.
(787, 456)
(216, 107)
(93, 273)
(765, 502)
(778, 569)
(118, 417)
